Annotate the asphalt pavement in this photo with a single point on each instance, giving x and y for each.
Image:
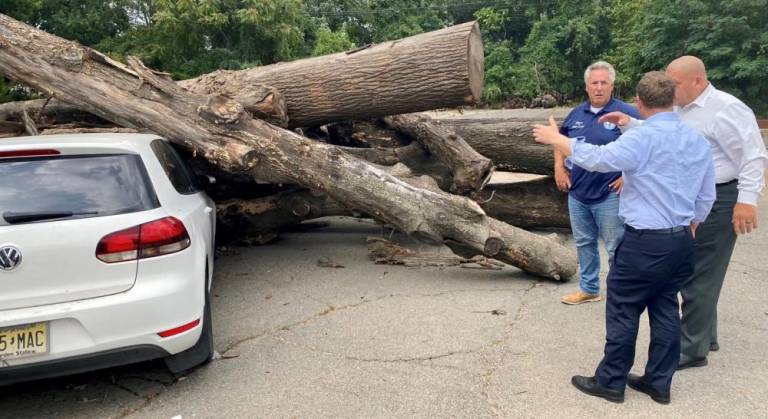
(367, 340)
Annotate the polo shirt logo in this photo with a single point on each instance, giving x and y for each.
(577, 125)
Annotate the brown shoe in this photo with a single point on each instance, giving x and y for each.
(580, 297)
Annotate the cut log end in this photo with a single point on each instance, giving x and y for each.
(221, 110)
(475, 63)
(493, 246)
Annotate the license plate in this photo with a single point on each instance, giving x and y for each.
(24, 341)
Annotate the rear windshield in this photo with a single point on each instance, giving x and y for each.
(86, 185)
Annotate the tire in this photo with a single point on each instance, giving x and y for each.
(202, 352)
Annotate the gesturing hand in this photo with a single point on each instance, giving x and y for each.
(546, 134)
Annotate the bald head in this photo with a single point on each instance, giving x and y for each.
(690, 78)
(689, 65)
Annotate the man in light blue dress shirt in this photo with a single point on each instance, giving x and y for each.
(669, 188)
(740, 161)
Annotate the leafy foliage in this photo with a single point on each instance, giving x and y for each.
(731, 36)
(328, 41)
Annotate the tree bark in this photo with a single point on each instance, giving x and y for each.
(369, 134)
(58, 129)
(470, 170)
(222, 131)
(531, 204)
(46, 111)
(260, 220)
(508, 142)
(432, 70)
(262, 101)
(528, 204)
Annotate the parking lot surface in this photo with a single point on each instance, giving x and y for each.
(366, 340)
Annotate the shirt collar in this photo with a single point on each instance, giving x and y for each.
(606, 107)
(701, 100)
(663, 116)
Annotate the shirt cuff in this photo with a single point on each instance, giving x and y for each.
(576, 143)
(748, 197)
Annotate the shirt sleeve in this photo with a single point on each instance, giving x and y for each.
(706, 196)
(624, 154)
(737, 131)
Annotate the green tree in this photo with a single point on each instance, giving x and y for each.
(191, 37)
(730, 36)
(328, 41)
(561, 44)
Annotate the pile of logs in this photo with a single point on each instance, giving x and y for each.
(343, 134)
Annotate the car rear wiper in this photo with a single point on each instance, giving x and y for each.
(28, 217)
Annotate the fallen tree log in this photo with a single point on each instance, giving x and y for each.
(530, 204)
(44, 114)
(260, 220)
(220, 129)
(261, 101)
(63, 129)
(504, 137)
(507, 142)
(53, 111)
(438, 69)
(470, 170)
(370, 134)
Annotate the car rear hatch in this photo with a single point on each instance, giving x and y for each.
(54, 209)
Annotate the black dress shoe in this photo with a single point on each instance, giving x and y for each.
(714, 347)
(590, 386)
(638, 383)
(689, 362)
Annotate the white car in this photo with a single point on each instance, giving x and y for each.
(106, 256)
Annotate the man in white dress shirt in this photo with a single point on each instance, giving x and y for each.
(740, 160)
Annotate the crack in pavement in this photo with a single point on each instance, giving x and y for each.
(332, 309)
(486, 376)
(146, 399)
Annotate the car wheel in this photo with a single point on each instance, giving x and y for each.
(202, 352)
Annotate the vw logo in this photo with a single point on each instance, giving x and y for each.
(10, 258)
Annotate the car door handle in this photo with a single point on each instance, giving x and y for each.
(208, 210)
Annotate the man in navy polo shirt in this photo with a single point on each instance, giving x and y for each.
(593, 198)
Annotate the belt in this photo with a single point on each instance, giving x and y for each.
(727, 183)
(670, 230)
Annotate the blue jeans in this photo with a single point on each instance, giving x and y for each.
(590, 222)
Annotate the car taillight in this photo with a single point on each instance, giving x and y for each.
(161, 237)
(119, 246)
(29, 153)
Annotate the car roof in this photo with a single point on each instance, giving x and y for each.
(96, 139)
